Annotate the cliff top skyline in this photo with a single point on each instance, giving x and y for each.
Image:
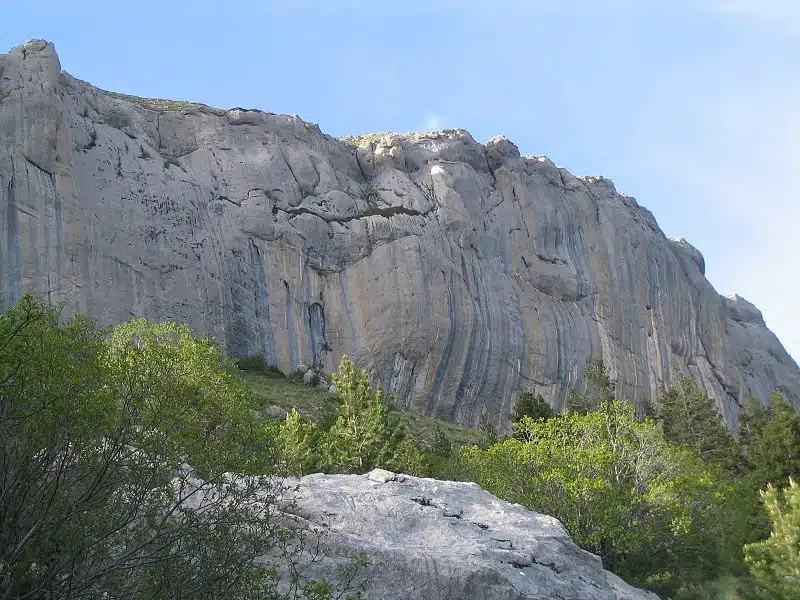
(687, 107)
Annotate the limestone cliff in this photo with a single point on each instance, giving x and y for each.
(458, 273)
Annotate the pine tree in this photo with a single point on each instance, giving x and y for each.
(441, 446)
(297, 440)
(533, 406)
(488, 434)
(772, 440)
(775, 562)
(751, 420)
(364, 435)
(409, 459)
(579, 404)
(690, 418)
(600, 389)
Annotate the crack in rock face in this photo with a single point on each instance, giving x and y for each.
(458, 274)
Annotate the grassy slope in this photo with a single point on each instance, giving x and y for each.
(288, 393)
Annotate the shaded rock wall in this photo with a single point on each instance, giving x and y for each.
(457, 273)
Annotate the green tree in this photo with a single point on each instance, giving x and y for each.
(600, 389)
(299, 441)
(752, 418)
(185, 389)
(690, 418)
(775, 562)
(97, 495)
(770, 436)
(364, 435)
(487, 431)
(655, 514)
(772, 442)
(533, 406)
(579, 404)
(441, 446)
(409, 459)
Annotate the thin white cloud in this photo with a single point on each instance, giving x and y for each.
(762, 9)
(776, 16)
(432, 123)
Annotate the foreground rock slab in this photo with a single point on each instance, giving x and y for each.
(443, 540)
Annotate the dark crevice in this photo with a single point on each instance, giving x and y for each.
(552, 261)
(12, 244)
(43, 170)
(550, 566)
(316, 324)
(177, 156)
(373, 211)
(446, 512)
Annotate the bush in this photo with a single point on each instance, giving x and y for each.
(97, 498)
(441, 446)
(257, 364)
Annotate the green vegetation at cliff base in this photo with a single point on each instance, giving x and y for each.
(99, 427)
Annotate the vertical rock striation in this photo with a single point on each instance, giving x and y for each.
(458, 273)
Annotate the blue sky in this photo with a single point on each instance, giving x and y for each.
(691, 106)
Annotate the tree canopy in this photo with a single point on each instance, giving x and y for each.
(653, 513)
(115, 452)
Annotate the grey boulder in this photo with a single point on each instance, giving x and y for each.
(442, 540)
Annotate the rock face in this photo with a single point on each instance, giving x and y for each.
(431, 540)
(457, 273)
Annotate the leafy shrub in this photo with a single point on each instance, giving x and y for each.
(257, 364)
(655, 514)
(97, 498)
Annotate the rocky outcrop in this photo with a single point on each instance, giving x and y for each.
(429, 539)
(457, 273)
